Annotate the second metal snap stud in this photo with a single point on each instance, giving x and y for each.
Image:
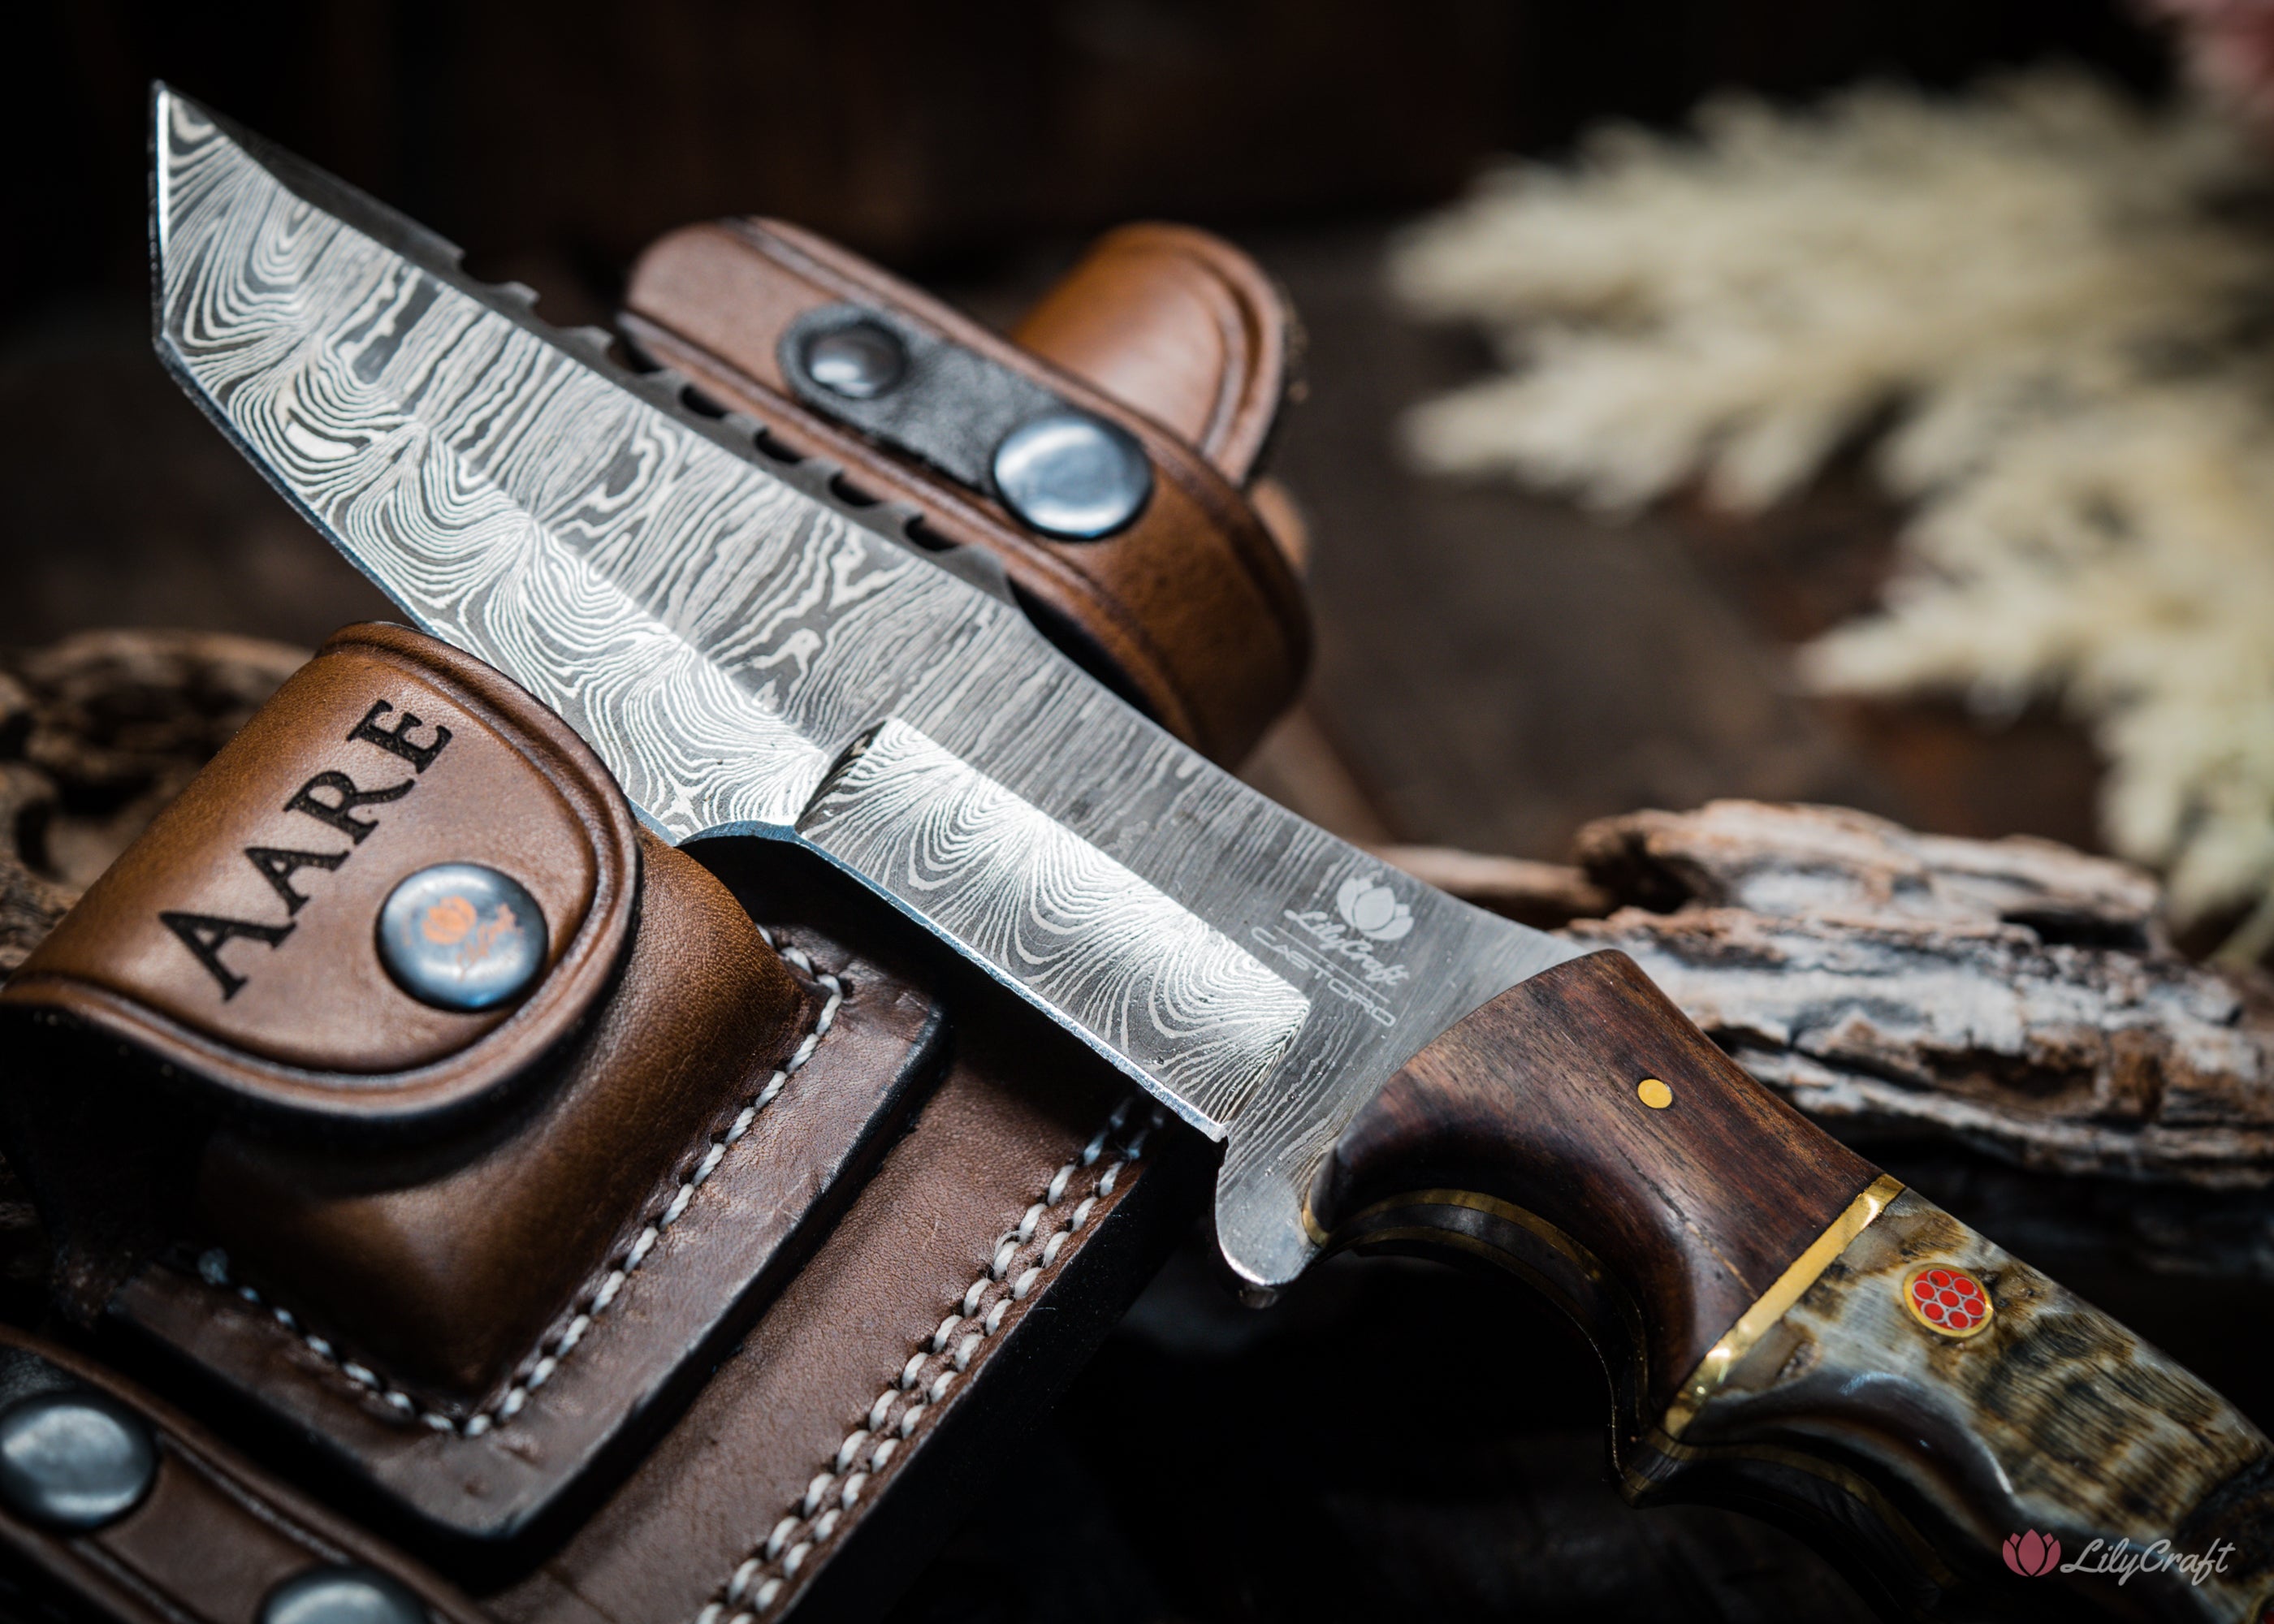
(342, 1596)
(74, 1460)
(1071, 475)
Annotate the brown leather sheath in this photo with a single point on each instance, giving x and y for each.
(692, 1279)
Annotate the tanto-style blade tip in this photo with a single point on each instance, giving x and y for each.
(179, 123)
(183, 132)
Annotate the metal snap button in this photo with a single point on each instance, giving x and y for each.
(859, 361)
(74, 1460)
(1071, 475)
(342, 1596)
(461, 937)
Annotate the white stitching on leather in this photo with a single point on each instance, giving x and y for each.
(748, 1590)
(213, 1267)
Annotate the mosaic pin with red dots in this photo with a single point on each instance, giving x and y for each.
(1947, 1300)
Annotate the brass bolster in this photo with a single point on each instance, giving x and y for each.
(1791, 1285)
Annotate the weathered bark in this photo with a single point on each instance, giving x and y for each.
(1540, 894)
(96, 734)
(30, 902)
(2013, 994)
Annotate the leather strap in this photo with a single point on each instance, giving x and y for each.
(1195, 608)
(211, 1538)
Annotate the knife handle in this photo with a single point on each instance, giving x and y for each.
(1790, 1332)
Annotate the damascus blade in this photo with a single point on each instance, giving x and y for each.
(752, 659)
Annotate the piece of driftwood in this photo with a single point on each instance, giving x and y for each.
(1541, 894)
(2013, 994)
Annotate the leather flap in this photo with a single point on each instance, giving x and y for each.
(237, 941)
(1180, 325)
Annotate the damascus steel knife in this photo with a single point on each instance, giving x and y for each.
(1787, 1327)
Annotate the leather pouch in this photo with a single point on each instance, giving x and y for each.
(398, 1228)
(688, 1279)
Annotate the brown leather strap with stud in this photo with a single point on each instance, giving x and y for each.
(1192, 607)
(113, 1498)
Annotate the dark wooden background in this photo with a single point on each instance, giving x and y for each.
(1494, 669)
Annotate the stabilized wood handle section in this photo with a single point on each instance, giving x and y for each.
(1790, 1332)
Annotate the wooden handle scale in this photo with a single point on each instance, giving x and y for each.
(1790, 1331)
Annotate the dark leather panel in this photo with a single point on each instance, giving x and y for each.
(949, 409)
(650, 1310)
(745, 1503)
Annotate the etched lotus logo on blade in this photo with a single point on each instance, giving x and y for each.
(2031, 1554)
(1373, 910)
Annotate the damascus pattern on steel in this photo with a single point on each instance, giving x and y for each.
(1006, 884)
(751, 659)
